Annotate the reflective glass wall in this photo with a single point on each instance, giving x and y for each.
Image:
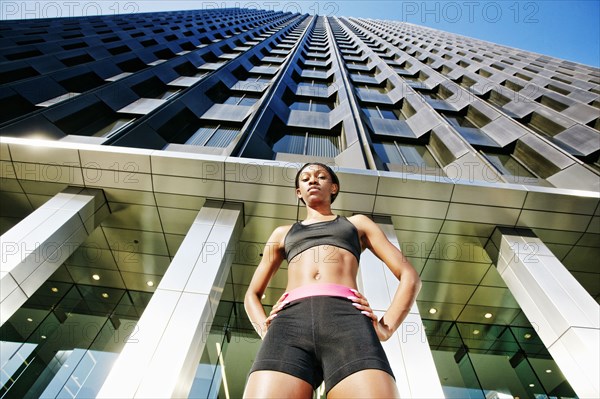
(483, 361)
(63, 341)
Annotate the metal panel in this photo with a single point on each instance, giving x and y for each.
(494, 297)
(457, 272)
(131, 216)
(176, 221)
(47, 152)
(553, 220)
(483, 214)
(42, 187)
(476, 314)
(446, 293)
(4, 152)
(179, 201)
(575, 354)
(204, 167)
(188, 186)
(462, 248)
(7, 171)
(260, 193)
(547, 199)
(186, 258)
(425, 187)
(55, 173)
(491, 195)
(354, 202)
(107, 278)
(129, 196)
(117, 159)
(185, 329)
(417, 223)
(410, 207)
(126, 180)
(129, 368)
(136, 240)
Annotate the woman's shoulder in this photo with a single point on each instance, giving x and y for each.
(360, 220)
(280, 233)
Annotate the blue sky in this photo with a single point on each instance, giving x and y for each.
(565, 29)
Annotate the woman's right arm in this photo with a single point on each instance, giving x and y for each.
(272, 257)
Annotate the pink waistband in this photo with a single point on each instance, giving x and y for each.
(324, 289)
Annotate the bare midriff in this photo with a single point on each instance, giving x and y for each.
(322, 264)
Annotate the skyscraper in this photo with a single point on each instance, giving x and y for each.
(145, 159)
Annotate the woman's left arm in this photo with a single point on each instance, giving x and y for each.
(410, 283)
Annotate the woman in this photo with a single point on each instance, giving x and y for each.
(322, 328)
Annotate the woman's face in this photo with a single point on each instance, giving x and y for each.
(315, 185)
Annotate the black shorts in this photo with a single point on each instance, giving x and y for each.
(321, 338)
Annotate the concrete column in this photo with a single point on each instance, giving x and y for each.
(161, 356)
(408, 350)
(566, 317)
(33, 249)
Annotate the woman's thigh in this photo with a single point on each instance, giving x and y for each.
(275, 384)
(368, 383)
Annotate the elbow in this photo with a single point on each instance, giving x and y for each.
(251, 298)
(413, 280)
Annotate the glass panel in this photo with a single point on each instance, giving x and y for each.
(388, 153)
(113, 127)
(388, 114)
(322, 145)
(300, 106)
(372, 112)
(291, 143)
(222, 137)
(494, 362)
(248, 101)
(511, 169)
(321, 107)
(64, 340)
(201, 136)
(469, 131)
(233, 100)
(417, 155)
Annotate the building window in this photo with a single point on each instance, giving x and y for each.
(311, 105)
(469, 131)
(511, 169)
(320, 145)
(379, 112)
(393, 152)
(213, 136)
(241, 99)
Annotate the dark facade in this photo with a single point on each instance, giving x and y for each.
(258, 84)
(480, 161)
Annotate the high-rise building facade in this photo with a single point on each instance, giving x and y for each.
(146, 159)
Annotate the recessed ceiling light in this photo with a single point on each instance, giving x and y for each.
(475, 332)
(150, 283)
(43, 337)
(96, 277)
(29, 319)
(54, 289)
(548, 371)
(432, 311)
(104, 295)
(264, 296)
(488, 315)
(527, 336)
(531, 385)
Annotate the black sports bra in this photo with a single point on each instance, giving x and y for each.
(339, 232)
